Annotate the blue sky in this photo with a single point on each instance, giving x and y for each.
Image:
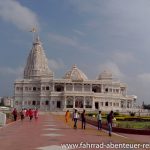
(94, 34)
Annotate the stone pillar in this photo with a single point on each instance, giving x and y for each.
(90, 87)
(93, 104)
(73, 101)
(84, 102)
(102, 88)
(65, 87)
(72, 86)
(64, 102)
(82, 87)
(126, 103)
(53, 87)
(22, 103)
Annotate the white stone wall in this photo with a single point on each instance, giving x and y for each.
(2, 119)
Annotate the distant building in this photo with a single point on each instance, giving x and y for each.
(8, 101)
(40, 89)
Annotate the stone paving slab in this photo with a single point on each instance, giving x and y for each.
(50, 131)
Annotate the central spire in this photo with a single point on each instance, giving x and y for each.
(37, 64)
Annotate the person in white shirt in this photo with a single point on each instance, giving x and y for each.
(75, 118)
(99, 120)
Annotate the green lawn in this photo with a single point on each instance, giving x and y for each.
(133, 124)
(127, 124)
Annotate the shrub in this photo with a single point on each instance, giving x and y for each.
(116, 114)
(91, 114)
(132, 113)
(120, 118)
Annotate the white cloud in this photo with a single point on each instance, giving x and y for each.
(21, 16)
(79, 32)
(123, 57)
(112, 67)
(145, 77)
(55, 64)
(62, 39)
(87, 6)
(69, 41)
(7, 71)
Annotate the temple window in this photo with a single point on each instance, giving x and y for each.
(59, 88)
(106, 90)
(17, 88)
(106, 103)
(46, 102)
(33, 102)
(96, 89)
(47, 88)
(69, 87)
(34, 88)
(26, 88)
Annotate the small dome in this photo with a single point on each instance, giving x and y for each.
(105, 75)
(75, 74)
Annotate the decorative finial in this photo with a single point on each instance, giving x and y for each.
(35, 34)
(74, 66)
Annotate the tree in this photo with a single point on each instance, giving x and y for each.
(146, 106)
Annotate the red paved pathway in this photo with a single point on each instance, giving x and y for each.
(50, 130)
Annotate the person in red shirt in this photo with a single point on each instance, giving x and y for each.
(30, 114)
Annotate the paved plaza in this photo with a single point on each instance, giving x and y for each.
(50, 132)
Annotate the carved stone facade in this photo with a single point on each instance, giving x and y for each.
(40, 89)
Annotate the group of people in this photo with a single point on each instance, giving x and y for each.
(76, 115)
(25, 113)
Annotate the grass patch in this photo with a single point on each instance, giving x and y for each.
(133, 124)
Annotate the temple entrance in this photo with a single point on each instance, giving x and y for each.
(58, 104)
(79, 103)
(96, 105)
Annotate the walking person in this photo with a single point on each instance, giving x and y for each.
(36, 114)
(15, 114)
(30, 114)
(83, 119)
(22, 114)
(99, 120)
(27, 112)
(67, 116)
(75, 118)
(110, 117)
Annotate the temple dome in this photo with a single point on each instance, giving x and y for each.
(37, 64)
(75, 74)
(105, 75)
